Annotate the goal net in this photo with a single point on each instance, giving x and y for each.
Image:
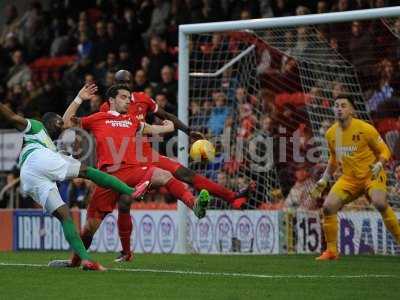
(264, 96)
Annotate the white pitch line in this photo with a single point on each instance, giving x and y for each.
(226, 274)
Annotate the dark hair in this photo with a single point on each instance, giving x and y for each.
(49, 117)
(49, 122)
(112, 92)
(123, 76)
(349, 98)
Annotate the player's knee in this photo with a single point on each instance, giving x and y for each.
(327, 210)
(160, 177)
(380, 204)
(378, 200)
(185, 174)
(62, 213)
(124, 203)
(332, 204)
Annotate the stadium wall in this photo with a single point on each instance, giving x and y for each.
(244, 232)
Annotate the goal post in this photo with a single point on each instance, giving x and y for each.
(320, 69)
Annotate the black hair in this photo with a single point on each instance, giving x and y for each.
(49, 123)
(49, 117)
(112, 92)
(123, 76)
(349, 98)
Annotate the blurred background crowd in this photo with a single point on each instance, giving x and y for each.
(49, 50)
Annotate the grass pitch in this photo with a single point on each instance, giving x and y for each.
(24, 275)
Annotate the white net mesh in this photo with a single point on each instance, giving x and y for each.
(393, 24)
(226, 107)
(284, 88)
(280, 83)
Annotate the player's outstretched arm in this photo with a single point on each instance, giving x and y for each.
(15, 120)
(85, 93)
(161, 113)
(166, 127)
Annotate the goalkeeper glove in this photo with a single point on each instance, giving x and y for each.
(319, 188)
(376, 169)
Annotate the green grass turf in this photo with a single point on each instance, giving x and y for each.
(24, 282)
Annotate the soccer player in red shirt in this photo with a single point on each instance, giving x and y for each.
(141, 104)
(139, 107)
(115, 134)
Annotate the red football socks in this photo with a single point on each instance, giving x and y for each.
(125, 230)
(180, 191)
(215, 189)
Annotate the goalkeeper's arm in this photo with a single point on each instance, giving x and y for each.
(321, 185)
(380, 149)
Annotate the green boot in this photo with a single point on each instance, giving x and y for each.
(201, 204)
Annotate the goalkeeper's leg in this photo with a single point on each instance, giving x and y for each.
(379, 200)
(331, 206)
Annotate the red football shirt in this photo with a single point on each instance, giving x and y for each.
(141, 104)
(115, 137)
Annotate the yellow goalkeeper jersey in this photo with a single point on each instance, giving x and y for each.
(355, 148)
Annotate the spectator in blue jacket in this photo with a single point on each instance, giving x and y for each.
(218, 115)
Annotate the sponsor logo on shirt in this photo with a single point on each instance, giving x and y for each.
(346, 150)
(119, 123)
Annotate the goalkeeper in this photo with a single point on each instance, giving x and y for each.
(358, 150)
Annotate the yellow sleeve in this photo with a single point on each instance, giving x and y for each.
(331, 149)
(377, 144)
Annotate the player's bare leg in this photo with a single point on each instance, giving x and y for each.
(330, 208)
(379, 200)
(199, 182)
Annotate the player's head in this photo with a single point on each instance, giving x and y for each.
(123, 77)
(53, 123)
(119, 97)
(344, 107)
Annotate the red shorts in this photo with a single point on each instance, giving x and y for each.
(104, 200)
(163, 162)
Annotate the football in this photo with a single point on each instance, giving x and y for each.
(202, 150)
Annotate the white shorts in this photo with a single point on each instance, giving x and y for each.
(40, 172)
